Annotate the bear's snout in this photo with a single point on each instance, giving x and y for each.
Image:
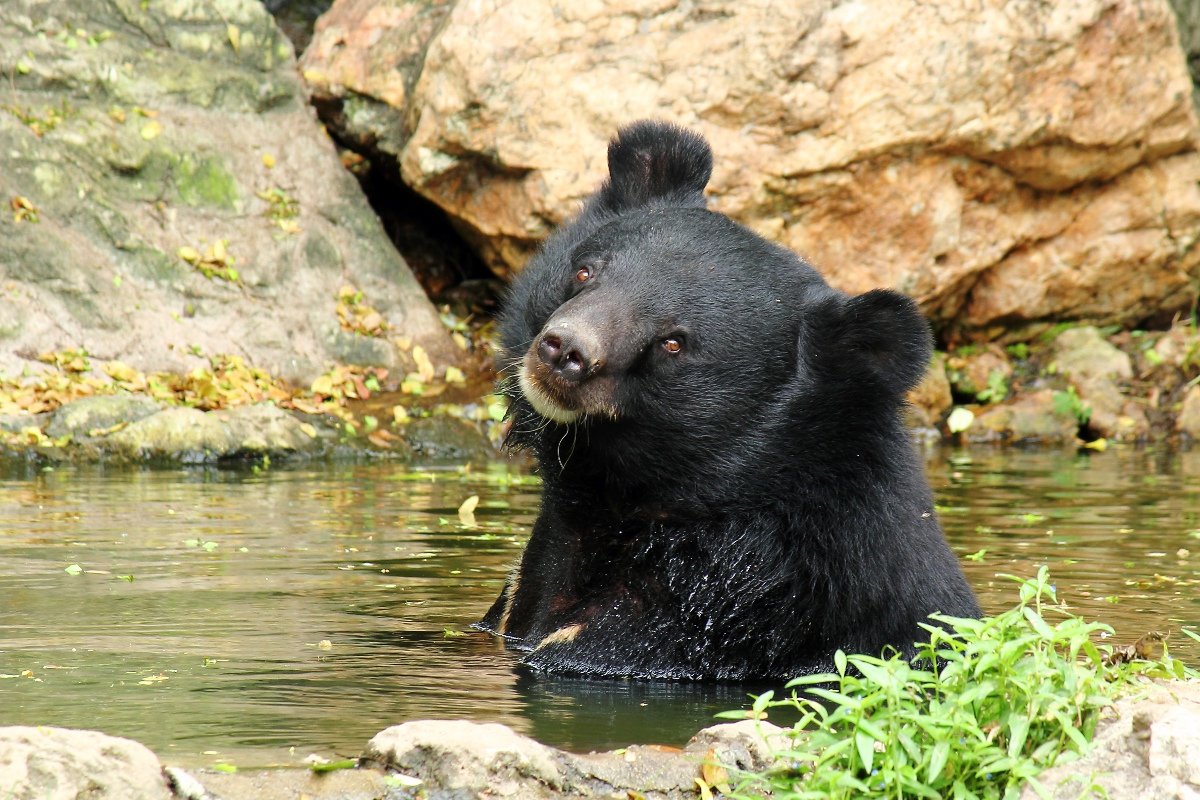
(570, 355)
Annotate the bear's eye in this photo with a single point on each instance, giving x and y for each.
(584, 274)
(672, 344)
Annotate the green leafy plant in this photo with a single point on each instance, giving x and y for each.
(1069, 402)
(1010, 695)
(996, 389)
(1020, 350)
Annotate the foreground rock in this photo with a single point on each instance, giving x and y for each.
(1147, 747)
(61, 764)
(1007, 166)
(168, 195)
(1152, 749)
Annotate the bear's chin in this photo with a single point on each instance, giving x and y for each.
(542, 403)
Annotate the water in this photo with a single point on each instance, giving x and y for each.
(255, 618)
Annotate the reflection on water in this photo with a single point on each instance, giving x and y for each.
(1120, 531)
(230, 616)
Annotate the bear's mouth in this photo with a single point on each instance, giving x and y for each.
(545, 397)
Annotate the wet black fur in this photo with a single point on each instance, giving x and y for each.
(757, 503)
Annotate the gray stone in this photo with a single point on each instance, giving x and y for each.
(447, 438)
(467, 756)
(87, 417)
(1148, 748)
(266, 428)
(292, 784)
(1032, 417)
(747, 745)
(1114, 416)
(1188, 421)
(1083, 354)
(62, 764)
(176, 434)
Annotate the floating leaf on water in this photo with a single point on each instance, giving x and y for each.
(73, 569)
(221, 766)
(324, 644)
(333, 766)
(450, 633)
(466, 512)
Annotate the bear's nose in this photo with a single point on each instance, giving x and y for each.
(565, 354)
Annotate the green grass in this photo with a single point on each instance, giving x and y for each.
(1013, 694)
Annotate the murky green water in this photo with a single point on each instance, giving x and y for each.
(226, 616)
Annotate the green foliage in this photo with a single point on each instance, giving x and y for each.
(1012, 695)
(1069, 402)
(996, 389)
(1053, 331)
(1020, 350)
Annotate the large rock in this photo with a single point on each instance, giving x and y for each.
(131, 132)
(1005, 164)
(62, 764)
(1099, 371)
(458, 759)
(467, 756)
(1037, 416)
(1149, 748)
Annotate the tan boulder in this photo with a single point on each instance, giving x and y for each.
(1005, 164)
(1188, 421)
(981, 371)
(1034, 417)
(930, 399)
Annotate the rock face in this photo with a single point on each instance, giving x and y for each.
(1005, 164)
(61, 764)
(167, 193)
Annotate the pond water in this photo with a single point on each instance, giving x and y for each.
(253, 618)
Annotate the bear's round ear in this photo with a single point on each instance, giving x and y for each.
(882, 331)
(651, 161)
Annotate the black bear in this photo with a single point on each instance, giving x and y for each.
(729, 490)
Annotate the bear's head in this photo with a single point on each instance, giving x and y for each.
(652, 340)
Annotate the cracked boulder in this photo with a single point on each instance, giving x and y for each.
(1006, 164)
